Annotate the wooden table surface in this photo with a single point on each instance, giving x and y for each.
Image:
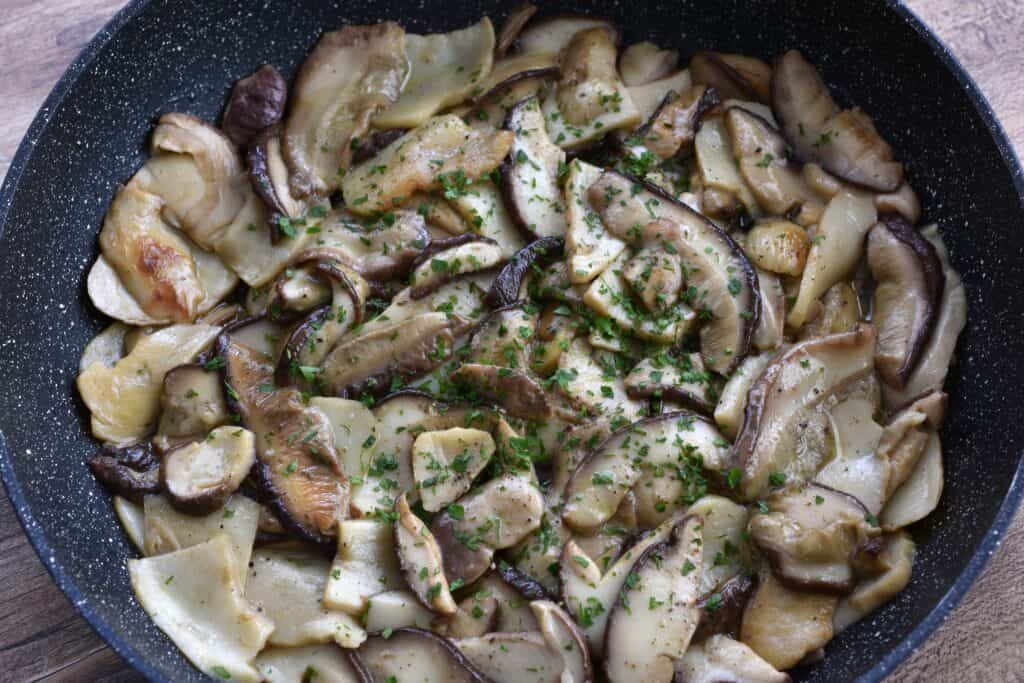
(43, 638)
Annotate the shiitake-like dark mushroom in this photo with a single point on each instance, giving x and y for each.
(530, 180)
(201, 476)
(522, 582)
(513, 389)
(191, 404)
(517, 18)
(722, 610)
(909, 288)
(449, 258)
(735, 77)
(669, 377)
(415, 654)
(507, 286)
(269, 176)
(673, 126)
(132, 471)
(256, 103)
(845, 143)
(375, 142)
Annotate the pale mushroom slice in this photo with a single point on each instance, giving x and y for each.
(679, 378)
(563, 636)
(589, 100)
(124, 400)
(106, 348)
(191, 405)
(651, 624)
(634, 452)
(421, 561)
(484, 209)
(726, 543)
(795, 390)
(857, 467)
(839, 310)
(530, 174)
(351, 75)
(809, 536)
(717, 165)
(444, 153)
(449, 258)
(166, 530)
(836, 247)
(132, 518)
(909, 285)
(673, 127)
(906, 435)
(408, 654)
(896, 564)
(937, 353)
(584, 381)
(445, 463)
(477, 616)
(656, 277)
(844, 142)
(365, 566)
(195, 596)
(552, 34)
(288, 587)
(590, 248)
(783, 625)
(355, 431)
(732, 401)
(735, 76)
(310, 662)
(649, 97)
(719, 275)
(771, 326)
(498, 515)
(644, 62)
(199, 477)
(518, 17)
(513, 657)
(720, 658)
(396, 609)
(919, 495)
(444, 68)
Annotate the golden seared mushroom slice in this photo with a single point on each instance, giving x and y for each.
(444, 153)
(445, 463)
(395, 609)
(919, 494)
(563, 636)
(680, 378)
(633, 452)
(530, 175)
(844, 142)
(778, 246)
(256, 103)
(935, 359)
(191, 405)
(289, 664)
(288, 587)
(447, 259)
(444, 68)
(791, 392)
(588, 100)
(351, 75)
(736, 77)
(421, 561)
(590, 247)
(125, 399)
(895, 564)
(857, 467)
(726, 299)
(513, 657)
(732, 401)
(651, 624)
(810, 535)
(408, 654)
(783, 625)
(365, 566)
(644, 62)
(498, 515)
(199, 477)
(195, 597)
(905, 306)
(720, 658)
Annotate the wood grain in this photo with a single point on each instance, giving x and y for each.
(43, 639)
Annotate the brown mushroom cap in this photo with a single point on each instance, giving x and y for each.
(256, 102)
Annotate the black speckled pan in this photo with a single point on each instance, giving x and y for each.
(183, 55)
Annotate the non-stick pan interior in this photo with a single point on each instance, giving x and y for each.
(181, 55)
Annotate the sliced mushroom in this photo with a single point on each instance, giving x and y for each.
(351, 75)
(449, 258)
(905, 436)
(365, 566)
(517, 18)
(444, 69)
(897, 562)
(288, 587)
(256, 103)
(477, 615)
(909, 287)
(724, 281)
(726, 548)
(530, 174)
(554, 33)
(673, 127)
(132, 471)
(297, 468)
(191, 405)
(810, 536)
(844, 142)
(498, 515)
(412, 653)
(290, 664)
(588, 100)
(721, 611)
(396, 609)
(131, 516)
(734, 76)
(670, 440)
(508, 285)
(679, 378)
(513, 657)
(919, 495)
(563, 636)
(656, 277)
(583, 380)
(421, 561)
(836, 247)
(779, 246)
(515, 391)
(732, 401)
(720, 173)
(201, 476)
(644, 644)
(783, 625)
(650, 96)
(106, 348)
(484, 209)
(411, 163)
(770, 330)
(857, 467)
(270, 179)
(446, 462)
(644, 62)
(125, 400)
(512, 80)
(590, 247)
(195, 597)
(721, 658)
(839, 312)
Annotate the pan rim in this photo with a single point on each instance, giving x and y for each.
(83, 604)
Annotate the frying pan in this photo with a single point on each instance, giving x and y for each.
(183, 55)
